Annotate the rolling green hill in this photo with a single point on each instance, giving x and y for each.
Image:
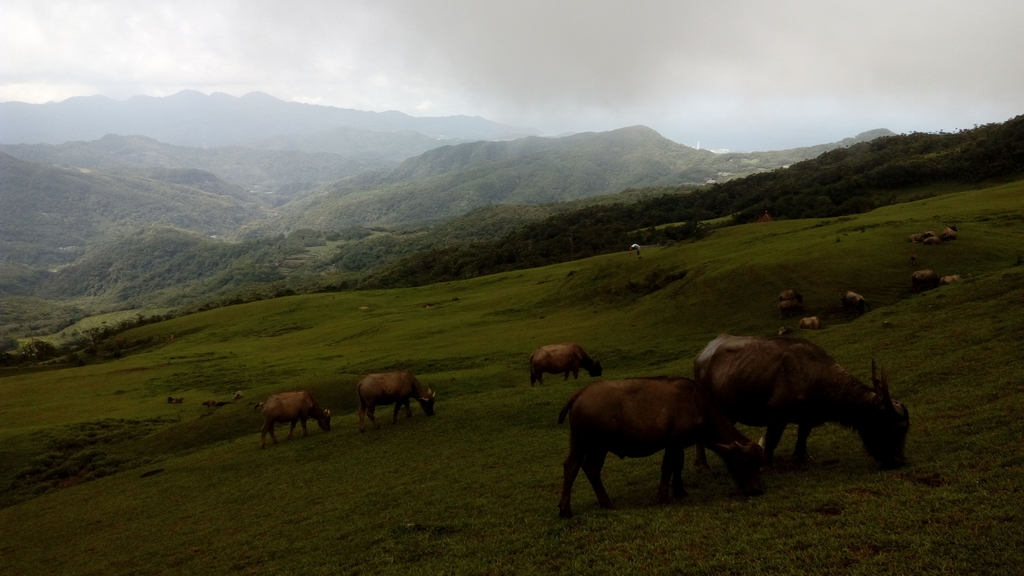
(48, 215)
(272, 177)
(453, 180)
(122, 482)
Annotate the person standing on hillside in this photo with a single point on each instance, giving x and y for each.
(634, 247)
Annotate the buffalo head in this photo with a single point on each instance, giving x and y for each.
(324, 420)
(427, 402)
(886, 436)
(744, 461)
(595, 368)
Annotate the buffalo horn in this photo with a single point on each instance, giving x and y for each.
(882, 386)
(730, 447)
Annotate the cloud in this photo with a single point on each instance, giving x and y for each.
(730, 73)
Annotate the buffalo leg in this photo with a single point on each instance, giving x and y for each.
(571, 466)
(771, 440)
(408, 410)
(362, 418)
(268, 427)
(677, 476)
(671, 472)
(304, 431)
(593, 462)
(394, 417)
(701, 461)
(368, 411)
(292, 429)
(800, 452)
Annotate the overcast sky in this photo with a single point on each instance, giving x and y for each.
(741, 75)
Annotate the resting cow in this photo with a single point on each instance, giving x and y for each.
(810, 323)
(946, 280)
(642, 416)
(775, 381)
(924, 280)
(391, 388)
(561, 358)
(791, 303)
(291, 407)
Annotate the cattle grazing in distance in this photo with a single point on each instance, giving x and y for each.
(924, 280)
(171, 400)
(642, 416)
(291, 407)
(853, 301)
(810, 323)
(947, 280)
(239, 395)
(791, 303)
(210, 404)
(773, 382)
(948, 234)
(391, 388)
(561, 358)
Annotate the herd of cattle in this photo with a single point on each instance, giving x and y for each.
(758, 381)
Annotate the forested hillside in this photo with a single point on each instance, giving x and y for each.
(48, 215)
(452, 180)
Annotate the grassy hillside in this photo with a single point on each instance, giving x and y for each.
(184, 489)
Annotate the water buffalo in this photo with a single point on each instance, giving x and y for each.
(642, 416)
(239, 395)
(924, 280)
(791, 303)
(946, 280)
(210, 404)
(810, 323)
(775, 381)
(854, 301)
(291, 407)
(561, 358)
(948, 234)
(932, 240)
(391, 388)
(915, 238)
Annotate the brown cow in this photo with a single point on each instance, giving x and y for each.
(291, 407)
(239, 395)
(948, 234)
(932, 240)
(642, 416)
(854, 301)
(775, 381)
(561, 358)
(810, 323)
(924, 280)
(946, 280)
(915, 238)
(391, 388)
(791, 303)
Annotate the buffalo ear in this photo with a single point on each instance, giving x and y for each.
(881, 385)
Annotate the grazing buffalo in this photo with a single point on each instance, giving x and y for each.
(810, 323)
(291, 407)
(391, 388)
(642, 416)
(946, 280)
(171, 400)
(561, 358)
(791, 303)
(924, 280)
(775, 381)
(854, 301)
(948, 234)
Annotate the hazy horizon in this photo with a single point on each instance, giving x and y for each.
(729, 75)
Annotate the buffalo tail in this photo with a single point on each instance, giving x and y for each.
(568, 405)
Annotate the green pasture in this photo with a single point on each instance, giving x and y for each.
(101, 476)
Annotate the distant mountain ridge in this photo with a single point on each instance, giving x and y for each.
(190, 118)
